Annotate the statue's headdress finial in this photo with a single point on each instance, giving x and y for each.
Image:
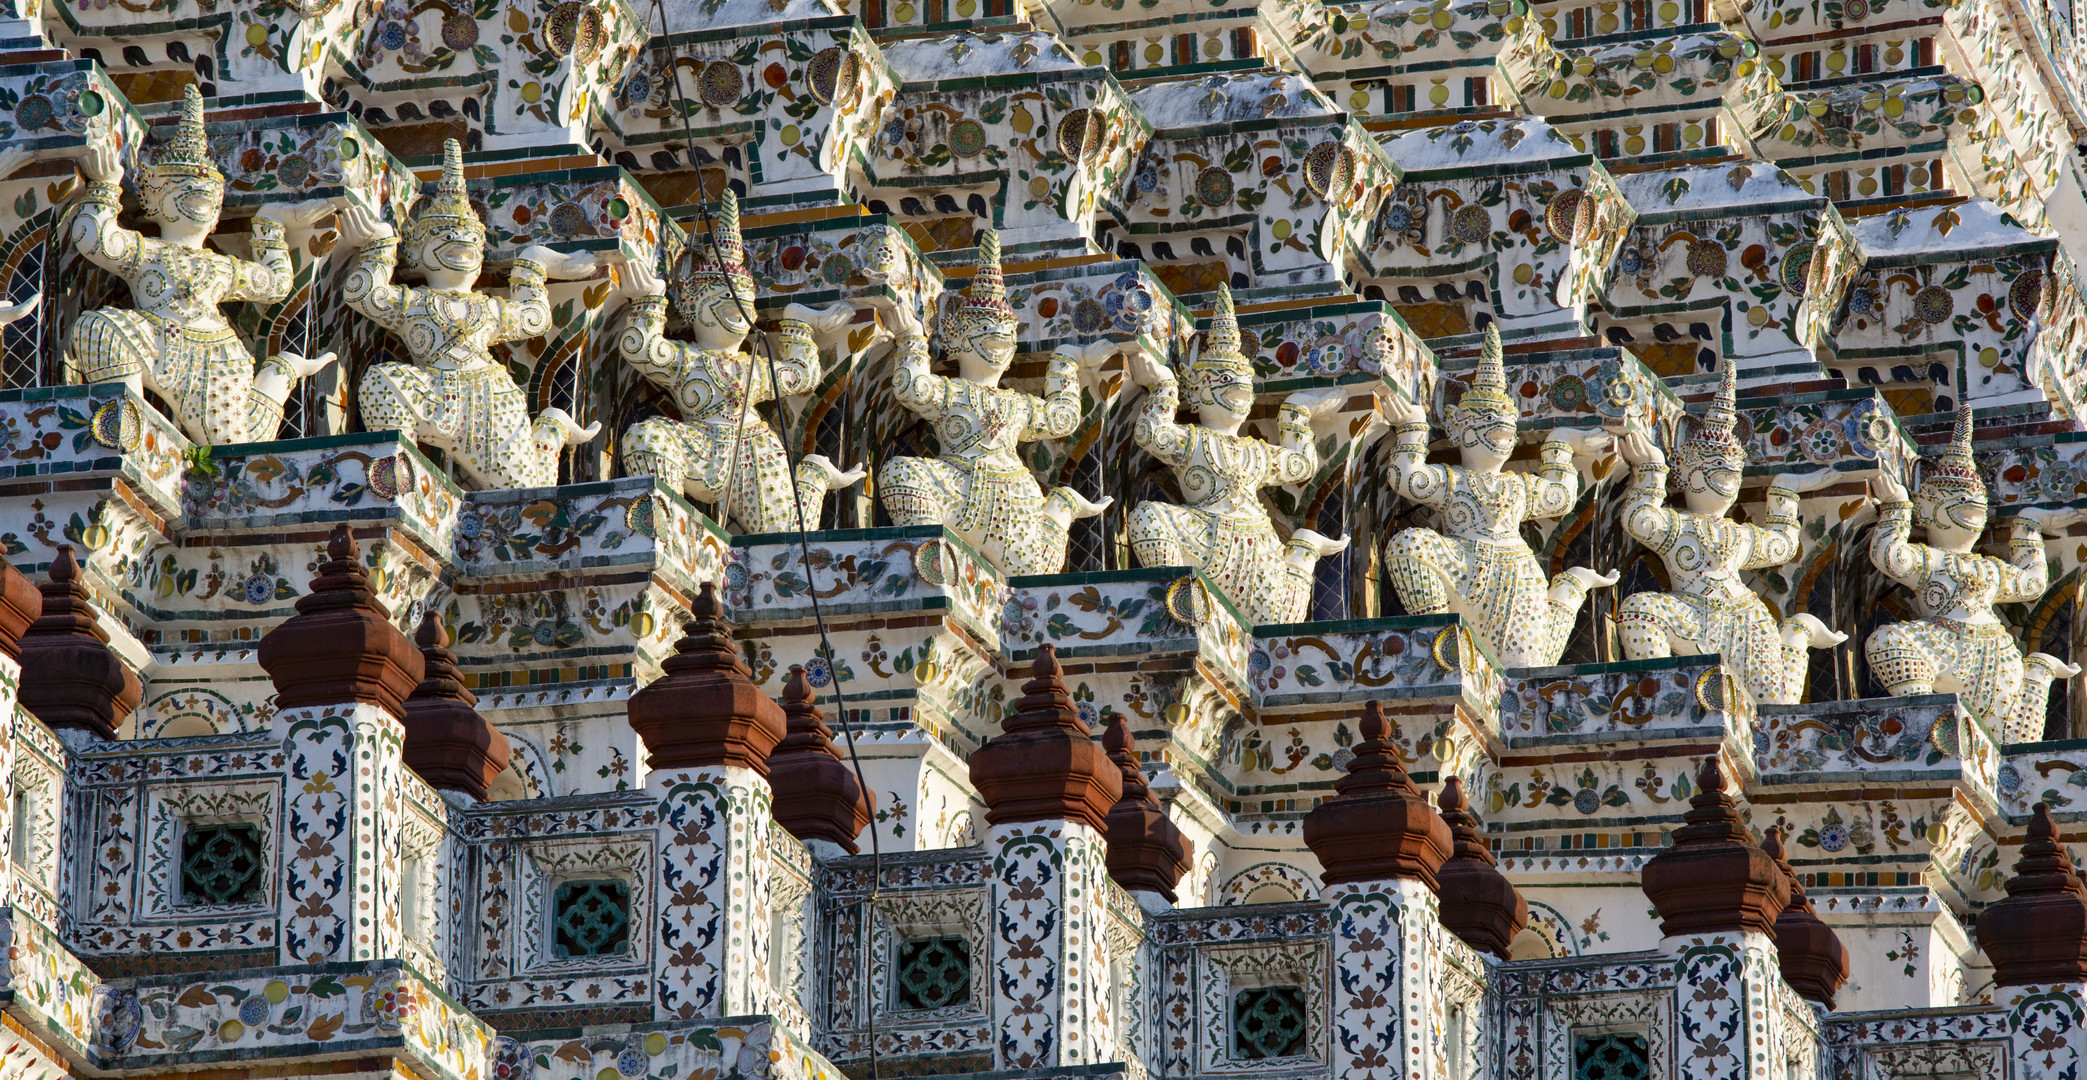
(1954, 471)
(719, 256)
(984, 305)
(1220, 363)
(187, 151)
(1710, 442)
(449, 206)
(1487, 397)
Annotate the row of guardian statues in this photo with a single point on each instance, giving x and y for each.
(1473, 561)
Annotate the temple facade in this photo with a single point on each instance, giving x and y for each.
(1173, 540)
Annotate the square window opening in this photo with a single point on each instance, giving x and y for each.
(1268, 1022)
(933, 972)
(1619, 1055)
(591, 918)
(220, 865)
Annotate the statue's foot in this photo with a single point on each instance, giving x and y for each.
(1066, 505)
(306, 367)
(569, 432)
(11, 313)
(1810, 631)
(1317, 545)
(829, 473)
(2058, 669)
(1590, 579)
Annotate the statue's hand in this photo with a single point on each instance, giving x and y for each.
(361, 227)
(1400, 409)
(1147, 369)
(1324, 401)
(17, 312)
(305, 366)
(640, 279)
(101, 160)
(825, 322)
(1887, 488)
(2051, 521)
(1638, 450)
(903, 320)
(1805, 481)
(1585, 442)
(297, 215)
(558, 266)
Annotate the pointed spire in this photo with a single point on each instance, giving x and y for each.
(187, 151)
(1713, 878)
(1377, 826)
(986, 283)
(706, 712)
(1222, 338)
(1710, 442)
(816, 794)
(1814, 961)
(450, 205)
(1146, 851)
(1479, 904)
(2038, 933)
(70, 676)
(1046, 766)
(341, 646)
(448, 743)
(1487, 395)
(1722, 415)
(731, 249)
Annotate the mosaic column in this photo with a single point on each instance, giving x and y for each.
(1048, 788)
(708, 732)
(1381, 847)
(1718, 895)
(342, 673)
(2037, 940)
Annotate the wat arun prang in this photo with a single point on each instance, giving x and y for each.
(1455, 540)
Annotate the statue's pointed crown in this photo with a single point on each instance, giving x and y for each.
(985, 298)
(187, 151)
(1220, 353)
(1710, 439)
(1488, 392)
(450, 205)
(1955, 467)
(725, 250)
(718, 256)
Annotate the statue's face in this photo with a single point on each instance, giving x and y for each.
(1719, 477)
(1230, 392)
(987, 345)
(718, 303)
(457, 248)
(1954, 508)
(1489, 430)
(192, 200)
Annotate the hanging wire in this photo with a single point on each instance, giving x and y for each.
(725, 504)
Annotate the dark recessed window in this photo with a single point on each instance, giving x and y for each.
(934, 972)
(1618, 1056)
(591, 918)
(1268, 1022)
(220, 864)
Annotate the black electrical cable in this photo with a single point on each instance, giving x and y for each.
(803, 544)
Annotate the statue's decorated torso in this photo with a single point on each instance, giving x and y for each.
(452, 329)
(185, 286)
(1489, 507)
(1224, 474)
(980, 427)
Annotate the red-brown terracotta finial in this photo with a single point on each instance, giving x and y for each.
(1479, 904)
(816, 794)
(70, 676)
(1814, 961)
(2037, 934)
(447, 742)
(706, 712)
(1046, 766)
(341, 646)
(1714, 878)
(1377, 826)
(1146, 851)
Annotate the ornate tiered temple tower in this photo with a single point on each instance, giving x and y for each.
(1043, 539)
